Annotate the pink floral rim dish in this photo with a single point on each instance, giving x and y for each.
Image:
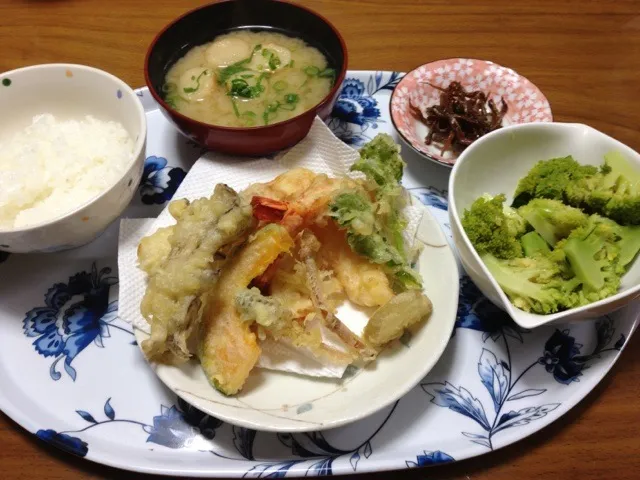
(526, 103)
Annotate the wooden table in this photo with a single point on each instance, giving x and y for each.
(583, 54)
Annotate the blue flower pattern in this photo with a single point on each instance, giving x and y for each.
(64, 442)
(78, 313)
(432, 197)
(561, 357)
(183, 426)
(430, 458)
(75, 314)
(177, 426)
(159, 182)
(356, 110)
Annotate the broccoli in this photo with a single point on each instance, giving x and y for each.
(533, 244)
(629, 244)
(491, 230)
(532, 284)
(549, 179)
(613, 192)
(583, 268)
(570, 258)
(593, 253)
(552, 219)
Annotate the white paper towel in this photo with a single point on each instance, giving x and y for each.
(321, 151)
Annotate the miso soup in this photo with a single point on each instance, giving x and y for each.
(247, 79)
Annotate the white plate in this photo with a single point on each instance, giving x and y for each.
(494, 385)
(282, 402)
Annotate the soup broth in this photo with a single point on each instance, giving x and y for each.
(247, 79)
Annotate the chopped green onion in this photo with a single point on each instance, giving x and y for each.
(274, 62)
(225, 73)
(240, 88)
(311, 70)
(291, 63)
(279, 85)
(327, 73)
(169, 87)
(270, 111)
(235, 107)
(291, 98)
(171, 101)
(247, 75)
(291, 101)
(197, 80)
(249, 118)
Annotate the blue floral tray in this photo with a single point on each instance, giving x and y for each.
(71, 374)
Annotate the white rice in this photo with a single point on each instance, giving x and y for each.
(52, 167)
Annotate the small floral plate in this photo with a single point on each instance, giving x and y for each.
(525, 101)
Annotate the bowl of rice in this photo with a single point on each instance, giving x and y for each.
(71, 155)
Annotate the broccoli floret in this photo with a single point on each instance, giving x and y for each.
(613, 192)
(533, 244)
(532, 284)
(552, 219)
(491, 230)
(593, 253)
(629, 244)
(549, 179)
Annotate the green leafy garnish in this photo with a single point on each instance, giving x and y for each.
(226, 73)
(249, 118)
(240, 88)
(270, 111)
(311, 71)
(197, 82)
(274, 62)
(171, 101)
(327, 73)
(374, 226)
(290, 102)
(314, 72)
(169, 87)
(273, 59)
(279, 85)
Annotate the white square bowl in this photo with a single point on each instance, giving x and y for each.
(494, 164)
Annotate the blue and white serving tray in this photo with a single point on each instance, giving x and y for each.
(71, 373)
